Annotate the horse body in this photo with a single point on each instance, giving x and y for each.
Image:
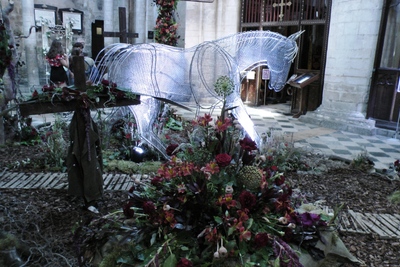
(186, 76)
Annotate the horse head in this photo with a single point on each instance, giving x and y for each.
(270, 49)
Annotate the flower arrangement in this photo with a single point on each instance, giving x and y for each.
(93, 94)
(166, 26)
(216, 202)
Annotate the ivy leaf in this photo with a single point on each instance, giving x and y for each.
(218, 219)
(153, 239)
(277, 262)
(171, 261)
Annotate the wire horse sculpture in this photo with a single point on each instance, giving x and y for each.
(186, 77)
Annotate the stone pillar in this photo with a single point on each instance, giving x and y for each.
(352, 43)
(28, 20)
(210, 21)
(108, 9)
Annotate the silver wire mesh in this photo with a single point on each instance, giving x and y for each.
(187, 76)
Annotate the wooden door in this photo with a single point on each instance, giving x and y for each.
(384, 98)
(97, 37)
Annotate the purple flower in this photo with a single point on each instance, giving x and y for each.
(309, 219)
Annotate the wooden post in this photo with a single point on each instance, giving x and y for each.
(79, 72)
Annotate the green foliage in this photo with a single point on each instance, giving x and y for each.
(395, 197)
(7, 241)
(130, 167)
(55, 145)
(362, 162)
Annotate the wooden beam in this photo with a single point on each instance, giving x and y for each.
(36, 107)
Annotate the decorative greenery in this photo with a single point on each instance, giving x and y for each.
(195, 212)
(166, 26)
(5, 50)
(92, 95)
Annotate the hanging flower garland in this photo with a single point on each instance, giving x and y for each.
(5, 51)
(166, 26)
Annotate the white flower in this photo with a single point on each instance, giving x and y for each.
(283, 220)
(228, 189)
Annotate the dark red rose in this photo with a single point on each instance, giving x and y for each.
(156, 180)
(170, 149)
(280, 180)
(47, 88)
(247, 200)
(128, 212)
(248, 144)
(183, 262)
(248, 157)
(149, 207)
(35, 93)
(223, 160)
(261, 240)
(105, 82)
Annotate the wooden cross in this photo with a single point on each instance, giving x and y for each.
(34, 107)
(281, 5)
(122, 34)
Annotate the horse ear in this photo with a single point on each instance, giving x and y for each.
(296, 35)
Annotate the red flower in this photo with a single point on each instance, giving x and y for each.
(211, 168)
(221, 126)
(227, 201)
(170, 149)
(280, 180)
(204, 121)
(149, 207)
(35, 93)
(128, 212)
(223, 160)
(247, 200)
(183, 262)
(261, 240)
(105, 82)
(248, 144)
(156, 180)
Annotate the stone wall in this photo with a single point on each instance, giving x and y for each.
(210, 21)
(352, 44)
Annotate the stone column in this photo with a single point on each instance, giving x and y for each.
(28, 20)
(210, 21)
(108, 9)
(352, 43)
